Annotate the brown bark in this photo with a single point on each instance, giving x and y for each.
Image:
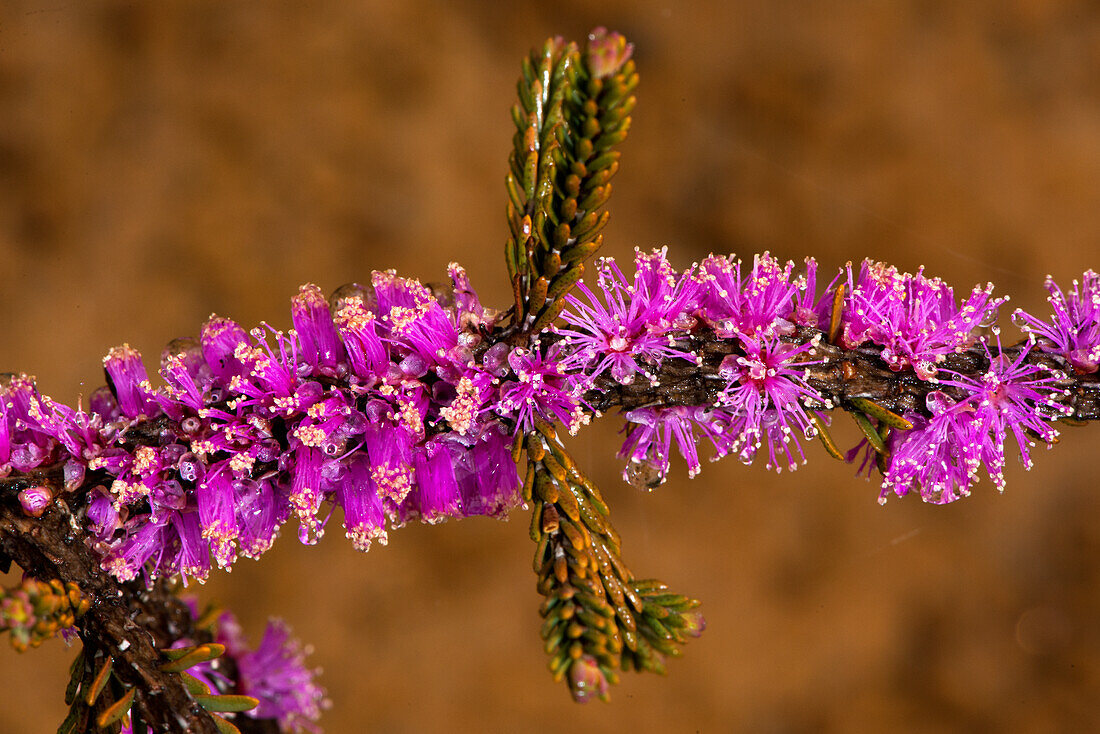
(841, 374)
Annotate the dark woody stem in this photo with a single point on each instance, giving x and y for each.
(126, 621)
(841, 375)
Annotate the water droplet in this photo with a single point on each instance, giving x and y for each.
(189, 467)
(352, 291)
(443, 293)
(938, 402)
(645, 475)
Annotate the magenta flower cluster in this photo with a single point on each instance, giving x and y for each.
(1073, 331)
(915, 319)
(941, 456)
(765, 404)
(386, 403)
(275, 673)
(392, 403)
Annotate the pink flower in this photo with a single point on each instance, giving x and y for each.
(767, 398)
(914, 318)
(1074, 329)
(942, 455)
(630, 330)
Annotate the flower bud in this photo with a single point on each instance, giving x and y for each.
(694, 623)
(606, 52)
(35, 500)
(587, 680)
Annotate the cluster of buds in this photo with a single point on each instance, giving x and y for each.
(36, 611)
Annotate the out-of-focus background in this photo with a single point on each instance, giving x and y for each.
(160, 161)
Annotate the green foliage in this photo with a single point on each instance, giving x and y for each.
(101, 702)
(574, 108)
(98, 701)
(597, 618)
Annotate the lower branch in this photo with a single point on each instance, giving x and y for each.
(129, 622)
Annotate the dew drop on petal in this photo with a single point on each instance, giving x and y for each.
(348, 292)
(989, 319)
(938, 402)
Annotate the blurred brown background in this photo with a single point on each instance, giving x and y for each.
(159, 161)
